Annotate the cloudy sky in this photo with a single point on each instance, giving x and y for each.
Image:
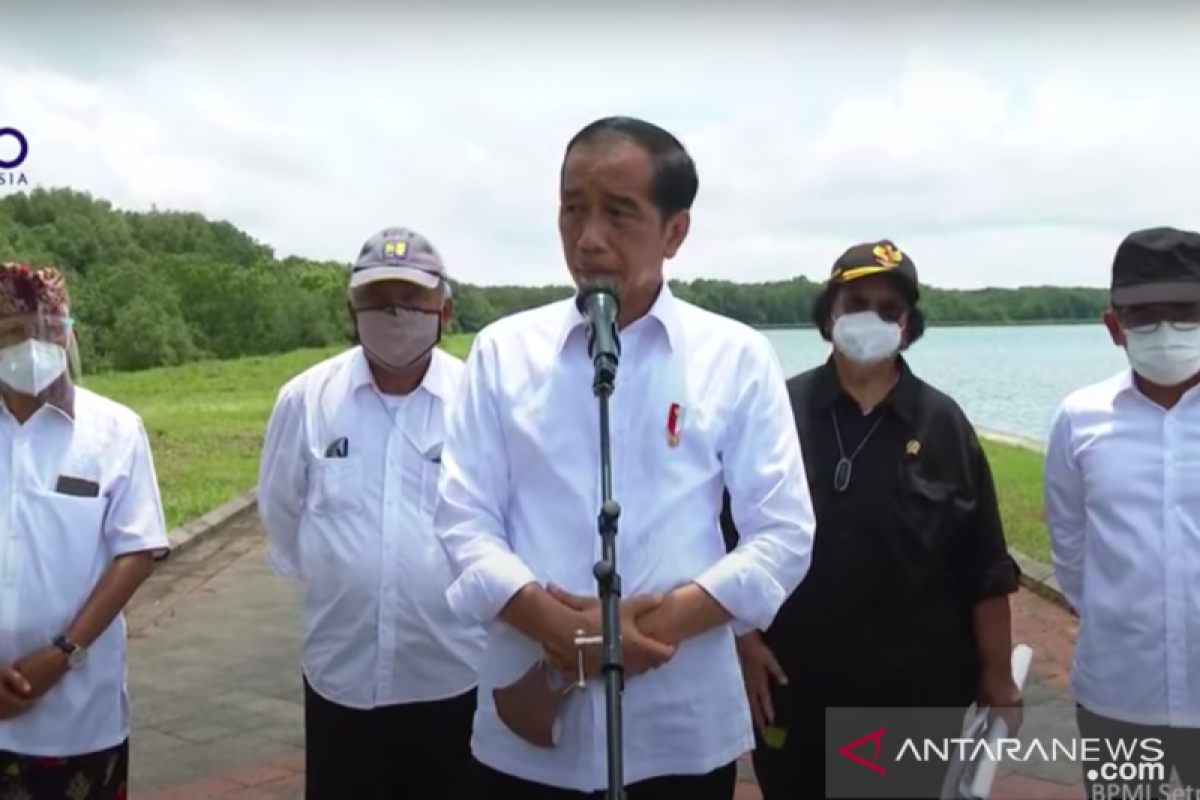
(1006, 148)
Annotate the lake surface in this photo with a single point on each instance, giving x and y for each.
(1008, 379)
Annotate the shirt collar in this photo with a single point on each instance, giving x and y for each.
(1126, 386)
(665, 309)
(1125, 383)
(436, 381)
(60, 399)
(902, 398)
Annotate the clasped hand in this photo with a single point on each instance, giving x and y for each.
(640, 651)
(24, 682)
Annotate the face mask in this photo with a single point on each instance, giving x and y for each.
(31, 366)
(865, 338)
(398, 340)
(1166, 356)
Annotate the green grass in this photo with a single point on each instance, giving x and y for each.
(206, 424)
(1018, 475)
(206, 421)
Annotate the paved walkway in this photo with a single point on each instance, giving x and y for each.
(217, 703)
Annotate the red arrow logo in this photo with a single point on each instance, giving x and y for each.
(877, 737)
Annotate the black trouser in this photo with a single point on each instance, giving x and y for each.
(1180, 746)
(414, 751)
(716, 785)
(797, 771)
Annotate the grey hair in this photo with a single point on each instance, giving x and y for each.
(447, 292)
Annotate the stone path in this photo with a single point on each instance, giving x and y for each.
(216, 692)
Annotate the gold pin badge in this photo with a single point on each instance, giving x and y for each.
(913, 447)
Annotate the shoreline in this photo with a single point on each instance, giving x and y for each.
(206, 422)
(1010, 439)
(1000, 323)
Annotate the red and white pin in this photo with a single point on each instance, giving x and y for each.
(675, 420)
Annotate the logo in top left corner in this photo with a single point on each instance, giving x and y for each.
(14, 151)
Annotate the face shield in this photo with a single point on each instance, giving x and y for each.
(38, 353)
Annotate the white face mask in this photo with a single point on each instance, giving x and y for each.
(866, 338)
(1166, 356)
(31, 366)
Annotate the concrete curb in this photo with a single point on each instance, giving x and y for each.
(1036, 576)
(198, 530)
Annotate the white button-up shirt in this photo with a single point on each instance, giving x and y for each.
(55, 547)
(356, 532)
(521, 493)
(1122, 493)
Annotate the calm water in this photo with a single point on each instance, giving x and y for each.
(1006, 379)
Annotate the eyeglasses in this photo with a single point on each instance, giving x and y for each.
(1145, 328)
(1140, 320)
(393, 310)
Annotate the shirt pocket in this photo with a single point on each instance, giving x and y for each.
(931, 512)
(64, 542)
(335, 485)
(431, 478)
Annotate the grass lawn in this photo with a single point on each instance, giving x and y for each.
(1018, 475)
(206, 421)
(206, 424)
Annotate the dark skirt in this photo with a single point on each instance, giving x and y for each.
(94, 776)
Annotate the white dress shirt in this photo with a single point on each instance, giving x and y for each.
(521, 493)
(356, 532)
(55, 547)
(1122, 495)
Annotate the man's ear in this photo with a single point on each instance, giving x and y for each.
(447, 312)
(1114, 327)
(677, 231)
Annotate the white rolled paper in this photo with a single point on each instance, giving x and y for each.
(985, 773)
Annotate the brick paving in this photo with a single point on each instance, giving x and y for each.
(217, 700)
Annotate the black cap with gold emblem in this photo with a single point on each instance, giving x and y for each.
(876, 258)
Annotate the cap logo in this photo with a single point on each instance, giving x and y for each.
(887, 256)
(395, 251)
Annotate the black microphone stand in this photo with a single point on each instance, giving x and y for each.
(609, 584)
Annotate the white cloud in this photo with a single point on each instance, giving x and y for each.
(1007, 151)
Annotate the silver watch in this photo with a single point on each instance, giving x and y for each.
(76, 653)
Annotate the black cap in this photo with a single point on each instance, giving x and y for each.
(1157, 265)
(875, 258)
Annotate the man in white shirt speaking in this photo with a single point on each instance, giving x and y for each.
(700, 404)
(347, 490)
(82, 527)
(1122, 494)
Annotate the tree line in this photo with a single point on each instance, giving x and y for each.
(161, 288)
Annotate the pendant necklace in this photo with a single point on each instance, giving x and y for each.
(845, 465)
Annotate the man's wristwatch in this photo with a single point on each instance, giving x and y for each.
(76, 654)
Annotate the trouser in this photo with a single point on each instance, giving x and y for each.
(716, 785)
(1181, 752)
(414, 751)
(798, 770)
(103, 775)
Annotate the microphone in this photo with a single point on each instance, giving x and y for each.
(597, 302)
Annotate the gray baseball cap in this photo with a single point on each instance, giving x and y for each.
(398, 254)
